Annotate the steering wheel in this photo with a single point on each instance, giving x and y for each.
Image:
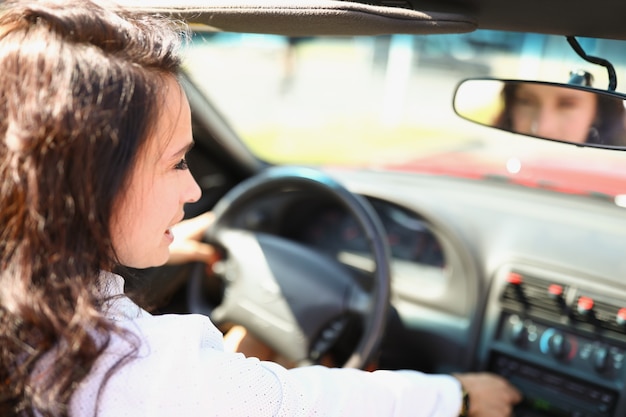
(293, 298)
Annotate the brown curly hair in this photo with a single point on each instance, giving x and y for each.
(80, 88)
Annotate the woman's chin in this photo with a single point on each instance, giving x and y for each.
(152, 261)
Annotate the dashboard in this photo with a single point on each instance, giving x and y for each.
(523, 282)
(549, 312)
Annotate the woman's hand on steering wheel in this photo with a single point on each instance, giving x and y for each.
(188, 245)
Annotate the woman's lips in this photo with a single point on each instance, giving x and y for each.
(169, 235)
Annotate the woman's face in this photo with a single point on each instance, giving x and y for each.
(159, 186)
(553, 112)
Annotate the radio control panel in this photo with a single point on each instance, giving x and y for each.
(604, 358)
(561, 342)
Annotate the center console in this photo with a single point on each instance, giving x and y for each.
(560, 339)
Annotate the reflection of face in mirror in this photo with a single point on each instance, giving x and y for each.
(560, 113)
(553, 113)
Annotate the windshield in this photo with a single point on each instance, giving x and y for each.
(386, 103)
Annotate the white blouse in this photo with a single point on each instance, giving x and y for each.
(181, 369)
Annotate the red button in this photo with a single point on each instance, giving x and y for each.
(585, 303)
(514, 278)
(555, 289)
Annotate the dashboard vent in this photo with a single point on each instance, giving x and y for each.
(524, 292)
(606, 314)
(543, 298)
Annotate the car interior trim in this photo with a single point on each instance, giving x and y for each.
(310, 17)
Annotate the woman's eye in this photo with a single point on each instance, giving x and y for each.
(182, 165)
(567, 104)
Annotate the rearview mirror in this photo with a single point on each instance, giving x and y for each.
(558, 112)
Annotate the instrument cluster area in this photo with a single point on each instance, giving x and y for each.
(422, 258)
(332, 230)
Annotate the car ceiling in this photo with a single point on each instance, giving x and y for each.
(601, 18)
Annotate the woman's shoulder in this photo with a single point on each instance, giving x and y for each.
(190, 331)
(156, 359)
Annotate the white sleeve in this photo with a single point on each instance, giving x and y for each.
(350, 392)
(182, 370)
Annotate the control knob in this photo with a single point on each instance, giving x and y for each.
(601, 358)
(559, 346)
(519, 333)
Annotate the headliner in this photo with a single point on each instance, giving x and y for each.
(598, 18)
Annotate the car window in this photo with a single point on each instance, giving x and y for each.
(386, 101)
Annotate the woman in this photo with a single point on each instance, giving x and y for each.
(560, 113)
(93, 177)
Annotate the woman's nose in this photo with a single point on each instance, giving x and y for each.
(545, 125)
(193, 192)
